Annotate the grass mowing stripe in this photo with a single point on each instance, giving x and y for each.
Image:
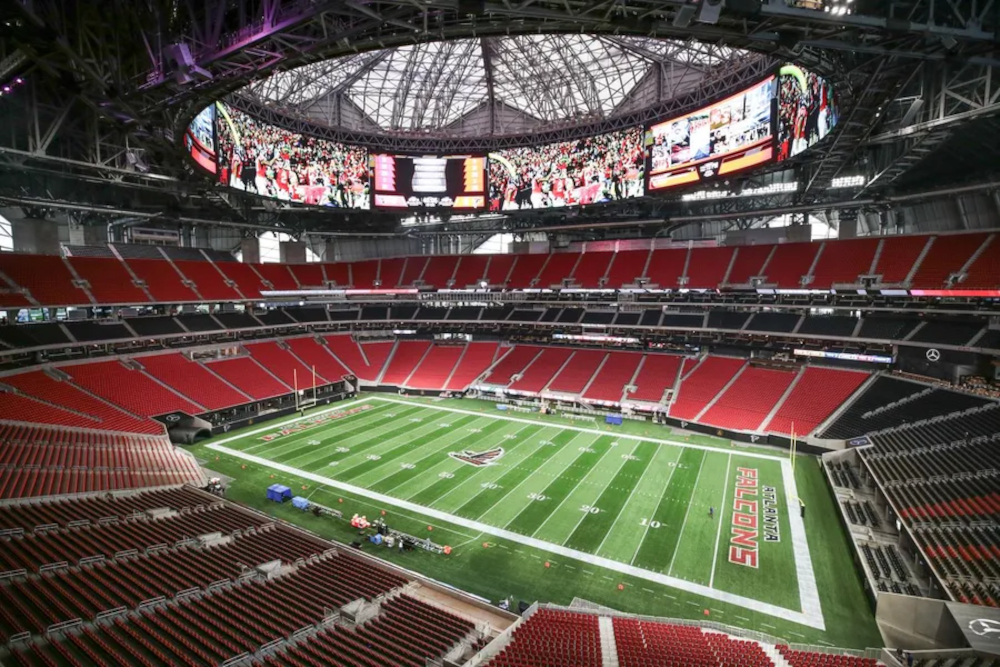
(288, 455)
(698, 533)
(594, 527)
(366, 448)
(432, 459)
(287, 444)
(534, 515)
(657, 549)
(488, 479)
(640, 503)
(396, 452)
(439, 488)
(321, 452)
(489, 497)
(447, 468)
(530, 492)
(348, 419)
(721, 514)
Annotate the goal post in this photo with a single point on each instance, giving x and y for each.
(307, 401)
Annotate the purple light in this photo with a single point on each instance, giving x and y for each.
(19, 80)
(6, 89)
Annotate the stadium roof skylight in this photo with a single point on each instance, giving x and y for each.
(539, 78)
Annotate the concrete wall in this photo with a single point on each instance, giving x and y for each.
(349, 250)
(919, 624)
(762, 236)
(292, 252)
(35, 236)
(250, 250)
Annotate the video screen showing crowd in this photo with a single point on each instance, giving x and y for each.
(774, 119)
(807, 110)
(726, 137)
(274, 162)
(199, 139)
(608, 167)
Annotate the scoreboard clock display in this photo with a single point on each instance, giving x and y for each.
(452, 181)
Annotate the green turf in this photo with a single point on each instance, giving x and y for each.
(636, 502)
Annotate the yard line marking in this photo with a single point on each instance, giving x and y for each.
(373, 445)
(450, 465)
(649, 464)
(649, 590)
(743, 618)
(518, 485)
(272, 427)
(300, 437)
(582, 479)
(572, 461)
(565, 427)
(722, 509)
(584, 514)
(687, 513)
(666, 487)
(287, 444)
(462, 544)
(810, 616)
(404, 458)
(474, 474)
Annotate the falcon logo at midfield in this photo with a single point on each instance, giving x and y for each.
(478, 459)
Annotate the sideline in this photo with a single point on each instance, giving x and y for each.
(811, 614)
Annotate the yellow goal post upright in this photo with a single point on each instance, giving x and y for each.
(301, 404)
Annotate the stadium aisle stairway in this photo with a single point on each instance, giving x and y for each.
(657, 374)
(579, 369)
(512, 363)
(313, 353)
(474, 362)
(193, 380)
(404, 360)
(249, 377)
(749, 400)
(128, 388)
(435, 367)
(817, 394)
(540, 372)
(365, 361)
(109, 280)
(616, 372)
(703, 384)
(284, 365)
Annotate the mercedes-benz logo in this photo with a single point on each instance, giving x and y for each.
(984, 626)
(173, 418)
(933, 354)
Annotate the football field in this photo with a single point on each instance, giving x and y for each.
(722, 523)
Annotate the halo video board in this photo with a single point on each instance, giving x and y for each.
(271, 161)
(727, 137)
(452, 181)
(603, 168)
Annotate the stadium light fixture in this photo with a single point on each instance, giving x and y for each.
(848, 182)
(772, 189)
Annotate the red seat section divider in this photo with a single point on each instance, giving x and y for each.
(193, 380)
(249, 377)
